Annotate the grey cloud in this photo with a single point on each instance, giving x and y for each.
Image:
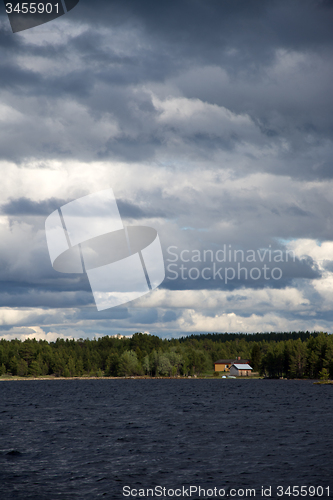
(25, 206)
(178, 41)
(144, 317)
(103, 317)
(169, 316)
(129, 148)
(27, 278)
(13, 77)
(14, 296)
(133, 211)
(240, 274)
(296, 211)
(328, 265)
(216, 23)
(236, 298)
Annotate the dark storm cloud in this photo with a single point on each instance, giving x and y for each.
(25, 206)
(144, 317)
(37, 289)
(47, 298)
(235, 274)
(169, 316)
(11, 77)
(129, 148)
(201, 30)
(127, 43)
(91, 313)
(213, 23)
(28, 279)
(132, 211)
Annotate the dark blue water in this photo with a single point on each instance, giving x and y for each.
(87, 439)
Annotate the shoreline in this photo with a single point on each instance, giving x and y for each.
(46, 378)
(14, 378)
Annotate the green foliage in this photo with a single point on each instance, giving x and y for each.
(13, 365)
(297, 360)
(22, 368)
(255, 357)
(79, 367)
(71, 366)
(293, 355)
(250, 337)
(324, 374)
(198, 361)
(146, 365)
(112, 365)
(164, 366)
(129, 364)
(35, 369)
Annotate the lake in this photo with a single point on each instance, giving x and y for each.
(128, 438)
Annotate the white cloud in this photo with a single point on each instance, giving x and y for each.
(232, 322)
(27, 316)
(31, 332)
(38, 333)
(319, 251)
(243, 300)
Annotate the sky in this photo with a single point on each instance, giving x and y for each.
(212, 122)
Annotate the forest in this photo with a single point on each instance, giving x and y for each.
(272, 355)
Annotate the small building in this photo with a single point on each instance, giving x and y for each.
(223, 365)
(240, 370)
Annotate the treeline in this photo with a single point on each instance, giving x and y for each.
(294, 355)
(250, 337)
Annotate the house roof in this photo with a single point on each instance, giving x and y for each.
(223, 361)
(241, 366)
